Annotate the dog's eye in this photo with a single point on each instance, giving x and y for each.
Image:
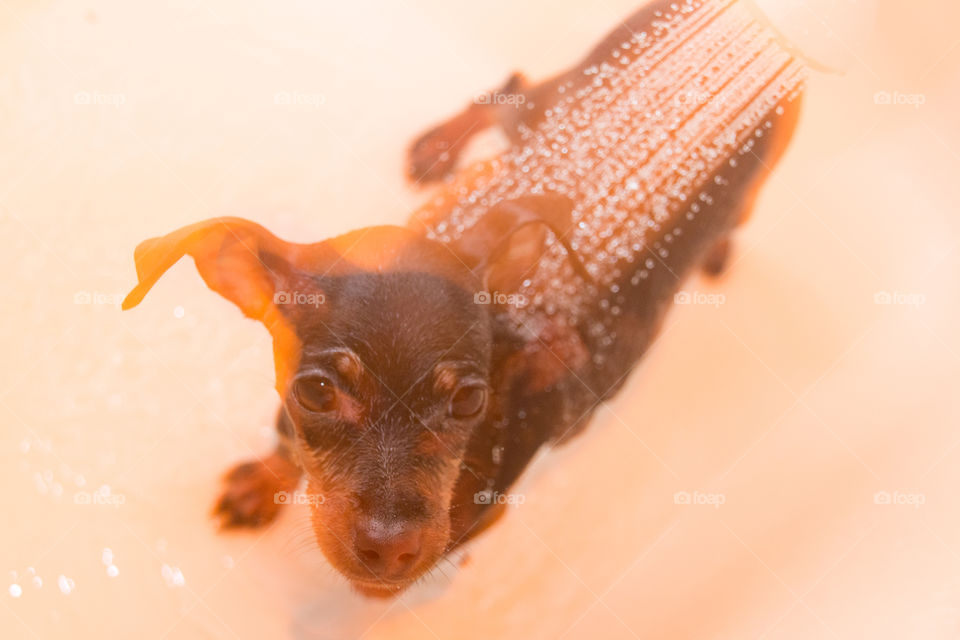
(468, 401)
(316, 393)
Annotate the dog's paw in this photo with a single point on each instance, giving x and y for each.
(433, 155)
(718, 258)
(254, 492)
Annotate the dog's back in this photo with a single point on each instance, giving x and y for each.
(661, 138)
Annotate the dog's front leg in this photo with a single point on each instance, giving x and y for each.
(254, 491)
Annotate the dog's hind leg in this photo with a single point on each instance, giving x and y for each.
(433, 155)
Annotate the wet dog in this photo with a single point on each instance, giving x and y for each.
(421, 368)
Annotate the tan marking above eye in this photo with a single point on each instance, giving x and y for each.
(445, 378)
(349, 366)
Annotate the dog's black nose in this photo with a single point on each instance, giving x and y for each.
(388, 549)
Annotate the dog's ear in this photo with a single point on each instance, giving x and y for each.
(238, 259)
(504, 246)
(241, 261)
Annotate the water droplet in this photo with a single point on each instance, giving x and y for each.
(631, 155)
(65, 584)
(172, 576)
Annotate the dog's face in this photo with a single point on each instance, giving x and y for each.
(382, 358)
(390, 384)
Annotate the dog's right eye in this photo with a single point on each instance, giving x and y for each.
(316, 394)
(468, 401)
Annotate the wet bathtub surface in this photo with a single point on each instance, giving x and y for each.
(784, 463)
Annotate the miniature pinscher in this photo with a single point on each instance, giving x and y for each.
(420, 368)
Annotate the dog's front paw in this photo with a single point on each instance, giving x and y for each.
(255, 491)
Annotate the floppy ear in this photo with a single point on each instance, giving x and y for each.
(241, 261)
(238, 259)
(505, 244)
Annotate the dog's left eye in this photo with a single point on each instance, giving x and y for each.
(316, 393)
(468, 401)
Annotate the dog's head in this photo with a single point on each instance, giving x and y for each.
(382, 344)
